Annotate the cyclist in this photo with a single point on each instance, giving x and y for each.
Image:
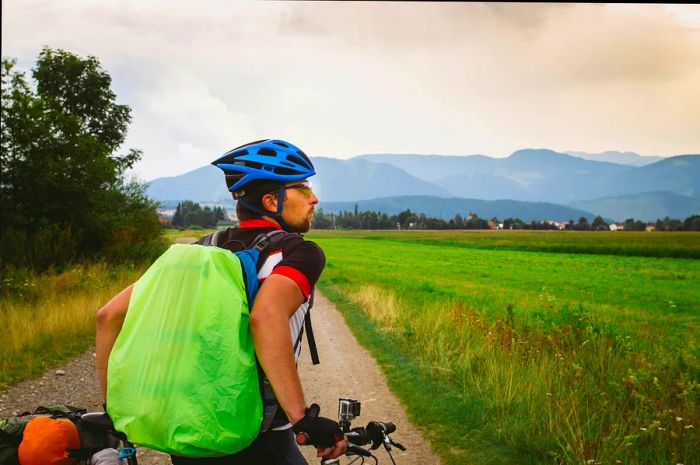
(269, 178)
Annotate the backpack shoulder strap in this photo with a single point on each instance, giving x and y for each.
(212, 239)
(310, 332)
(269, 239)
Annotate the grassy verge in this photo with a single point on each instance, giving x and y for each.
(507, 356)
(48, 318)
(643, 244)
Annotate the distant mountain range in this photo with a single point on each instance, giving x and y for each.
(648, 206)
(447, 208)
(540, 177)
(623, 158)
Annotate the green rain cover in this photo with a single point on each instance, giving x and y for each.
(182, 376)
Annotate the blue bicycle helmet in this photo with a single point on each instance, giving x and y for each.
(270, 160)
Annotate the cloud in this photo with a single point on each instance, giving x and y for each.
(344, 78)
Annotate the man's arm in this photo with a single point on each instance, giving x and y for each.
(109, 322)
(278, 299)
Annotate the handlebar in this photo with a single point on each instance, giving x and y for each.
(375, 433)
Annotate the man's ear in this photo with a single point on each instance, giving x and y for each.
(269, 202)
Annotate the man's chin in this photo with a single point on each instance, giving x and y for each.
(300, 228)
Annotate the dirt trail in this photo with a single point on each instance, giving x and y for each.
(346, 370)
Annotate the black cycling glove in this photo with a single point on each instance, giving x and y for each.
(317, 431)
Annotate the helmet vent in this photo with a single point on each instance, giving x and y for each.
(305, 157)
(286, 163)
(280, 143)
(285, 171)
(295, 159)
(268, 152)
(240, 153)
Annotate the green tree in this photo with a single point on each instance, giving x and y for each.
(61, 175)
(599, 224)
(632, 225)
(692, 223)
(582, 224)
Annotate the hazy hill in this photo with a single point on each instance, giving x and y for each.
(623, 158)
(358, 179)
(434, 167)
(529, 174)
(679, 174)
(447, 208)
(203, 184)
(648, 206)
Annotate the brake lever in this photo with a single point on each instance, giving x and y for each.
(397, 445)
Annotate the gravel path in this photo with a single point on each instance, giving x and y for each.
(75, 384)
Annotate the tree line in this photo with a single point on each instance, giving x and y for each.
(408, 219)
(189, 214)
(64, 192)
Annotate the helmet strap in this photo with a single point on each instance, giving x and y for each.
(277, 216)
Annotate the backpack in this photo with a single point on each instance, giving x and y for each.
(53, 435)
(182, 377)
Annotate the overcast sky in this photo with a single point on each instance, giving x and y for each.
(343, 79)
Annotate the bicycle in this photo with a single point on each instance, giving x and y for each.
(375, 433)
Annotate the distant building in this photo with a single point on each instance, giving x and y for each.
(650, 227)
(617, 227)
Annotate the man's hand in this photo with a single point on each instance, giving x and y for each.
(333, 452)
(321, 432)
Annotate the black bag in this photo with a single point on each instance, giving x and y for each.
(91, 439)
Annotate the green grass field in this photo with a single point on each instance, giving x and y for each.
(507, 348)
(644, 244)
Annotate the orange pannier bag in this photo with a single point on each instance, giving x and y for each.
(47, 441)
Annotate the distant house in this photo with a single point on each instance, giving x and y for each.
(650, 227)
(223, 224)
(617, 227)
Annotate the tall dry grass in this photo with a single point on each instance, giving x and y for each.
(47, 318)
(568, 394)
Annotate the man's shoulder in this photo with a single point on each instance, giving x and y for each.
(298, 243)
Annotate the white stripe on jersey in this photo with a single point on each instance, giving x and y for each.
(296, 322)
(272, 260)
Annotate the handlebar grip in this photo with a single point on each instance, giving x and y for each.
(389, 427)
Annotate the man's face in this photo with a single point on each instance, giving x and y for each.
(298, 206)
